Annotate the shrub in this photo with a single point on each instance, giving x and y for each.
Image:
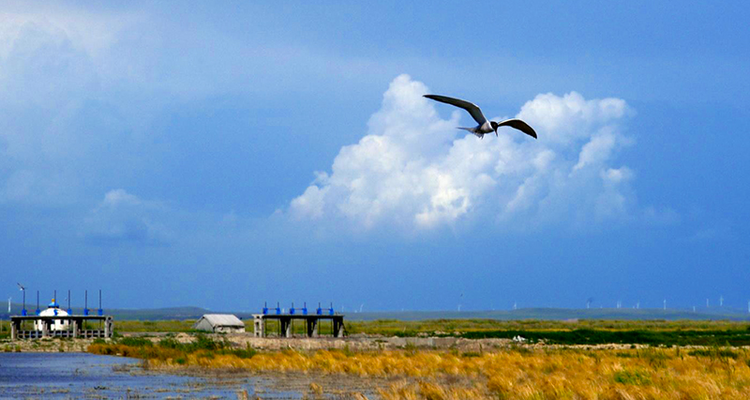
(170, 343)
(715, 353)
(135, 342)
(248, 352)
(635, 377)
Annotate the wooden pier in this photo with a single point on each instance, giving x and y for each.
(312, 324)
(75, 326)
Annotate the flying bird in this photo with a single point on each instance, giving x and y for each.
(484, 126)
(21, 287)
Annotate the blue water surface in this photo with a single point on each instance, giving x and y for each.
(79, 375)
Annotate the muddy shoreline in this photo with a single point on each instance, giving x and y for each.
(351, 343)
(244, 340)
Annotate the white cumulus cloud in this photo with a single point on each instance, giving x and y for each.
(414, 170)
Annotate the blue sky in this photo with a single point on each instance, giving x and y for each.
(185, 153)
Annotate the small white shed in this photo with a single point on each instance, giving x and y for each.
(219, 323)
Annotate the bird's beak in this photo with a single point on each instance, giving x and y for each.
(495, 132)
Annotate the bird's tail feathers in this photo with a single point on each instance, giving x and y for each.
(472, 130)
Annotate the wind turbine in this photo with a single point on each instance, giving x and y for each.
(9, 299)
(665, 304)
(22, 288)
(721, 301)
(360, 307)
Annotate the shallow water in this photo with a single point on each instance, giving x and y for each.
(79, 375)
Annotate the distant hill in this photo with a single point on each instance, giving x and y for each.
(191, 313)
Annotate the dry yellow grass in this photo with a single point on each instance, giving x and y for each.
(572, 374)
(512, 373)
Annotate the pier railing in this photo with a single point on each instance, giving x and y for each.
(73, 326)
(312, 324)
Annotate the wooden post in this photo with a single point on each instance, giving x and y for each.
(75, 328)
(13, 330)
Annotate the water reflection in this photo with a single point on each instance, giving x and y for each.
(78, 375)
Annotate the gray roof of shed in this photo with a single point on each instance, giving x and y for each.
(222, 320)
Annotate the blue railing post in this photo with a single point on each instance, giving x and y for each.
(100, 312)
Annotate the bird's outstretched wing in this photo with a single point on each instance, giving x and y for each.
(21, 287)
(520, 125)
(472, 108)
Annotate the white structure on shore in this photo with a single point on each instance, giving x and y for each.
(53, 309)
(219, 323)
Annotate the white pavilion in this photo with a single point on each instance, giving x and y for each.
(53, 309)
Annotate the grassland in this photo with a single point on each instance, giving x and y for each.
(584, 332)
(507, 373)
(470, 328)
(480, 327)
(654, 359)
(173, 326)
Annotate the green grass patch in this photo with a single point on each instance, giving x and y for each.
(715, 353)
(155, 326)
(134, 341)
(648, 337)
(169, 348)
(635, 377)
